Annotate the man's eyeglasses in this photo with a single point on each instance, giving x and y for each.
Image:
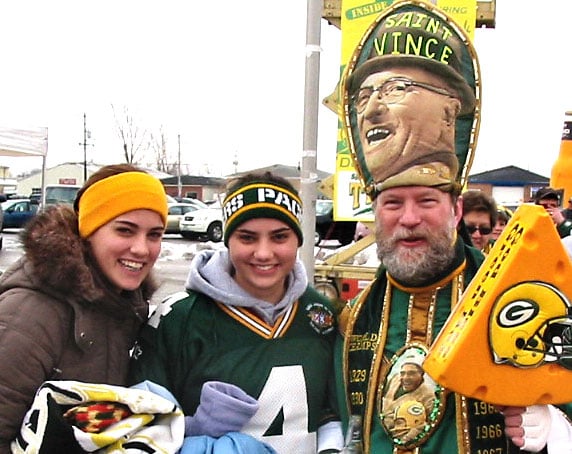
(483, 230)
(391, 91)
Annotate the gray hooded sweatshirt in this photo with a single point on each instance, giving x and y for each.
(210, 274)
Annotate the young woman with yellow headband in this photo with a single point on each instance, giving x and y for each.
(248, 347)
(72, 306)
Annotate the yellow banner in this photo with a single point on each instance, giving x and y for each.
(463, 12)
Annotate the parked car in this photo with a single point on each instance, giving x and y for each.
(198, 203)
(61, 193)
(1, 221)
(327, 228)
(204, 223)
(17, 212)
(176, 212)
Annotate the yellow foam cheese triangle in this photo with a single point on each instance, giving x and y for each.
(509, 339)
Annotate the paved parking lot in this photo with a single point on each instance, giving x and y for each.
(171, 268)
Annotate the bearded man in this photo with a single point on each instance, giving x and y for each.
(411, 108)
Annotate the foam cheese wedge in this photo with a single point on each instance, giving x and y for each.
(508, 341)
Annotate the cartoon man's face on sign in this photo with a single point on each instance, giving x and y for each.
(403, 113)
(409, 80)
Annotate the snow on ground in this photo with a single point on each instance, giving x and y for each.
(171, 252)
(185, 251)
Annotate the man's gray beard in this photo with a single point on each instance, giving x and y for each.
(417, 266)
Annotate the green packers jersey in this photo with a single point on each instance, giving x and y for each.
(286, 367)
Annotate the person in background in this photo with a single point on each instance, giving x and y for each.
(71, 307)
(249, 326)
(479, 216)
(549, 198)
(362, 230)
(567, 212)
(503, 216)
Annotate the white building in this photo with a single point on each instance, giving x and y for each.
(66, 173)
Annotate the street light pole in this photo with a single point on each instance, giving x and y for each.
(84, 149)
(179, 183)
(308, 176)
(86, 135)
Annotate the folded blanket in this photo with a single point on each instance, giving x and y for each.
(97, 416)
(156, 424)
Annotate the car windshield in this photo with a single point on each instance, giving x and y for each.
(8, 203)
(197, 203)
(323, 206)
(181, 208)
(61, 194)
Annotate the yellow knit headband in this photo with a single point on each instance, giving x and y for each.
(118, 194)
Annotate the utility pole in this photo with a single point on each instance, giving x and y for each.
(84, 149)
(308, 174)
(86, 135)
(179, 183)
(235, 162)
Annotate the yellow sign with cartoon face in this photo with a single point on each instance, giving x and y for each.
(514, 321)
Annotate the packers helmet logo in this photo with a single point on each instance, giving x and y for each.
(416, 409)
(530, 325)
(517, 312)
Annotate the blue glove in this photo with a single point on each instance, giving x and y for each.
(231, 443)
(223, 408)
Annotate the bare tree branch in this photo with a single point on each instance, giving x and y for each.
(162, 159)
(135, 139)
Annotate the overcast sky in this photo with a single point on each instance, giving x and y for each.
(230, 80)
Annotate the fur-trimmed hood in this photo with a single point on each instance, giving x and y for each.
(58, 262)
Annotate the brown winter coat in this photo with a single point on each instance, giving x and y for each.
(58, 320)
